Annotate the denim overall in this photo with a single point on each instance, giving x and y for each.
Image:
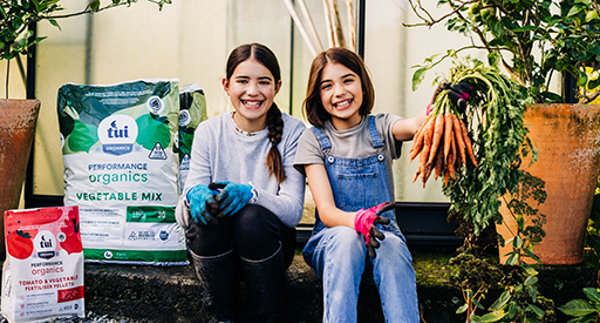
(338, 255)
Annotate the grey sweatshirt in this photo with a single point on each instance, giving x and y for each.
(221, 153)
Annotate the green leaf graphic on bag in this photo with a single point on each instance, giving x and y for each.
(83, 137)
(187, 139)
(152, 129)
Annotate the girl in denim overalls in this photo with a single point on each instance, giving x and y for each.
(347, 160)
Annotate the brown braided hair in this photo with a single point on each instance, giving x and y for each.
(266, 57)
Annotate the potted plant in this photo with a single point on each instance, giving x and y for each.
(537, 42)
(19, 116)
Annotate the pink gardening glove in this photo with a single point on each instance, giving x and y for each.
(365, 221)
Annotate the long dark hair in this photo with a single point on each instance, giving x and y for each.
(313, 107)
(266, 57)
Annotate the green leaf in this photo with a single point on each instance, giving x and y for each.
(512, 259)
(94, 5)
(592, 85)
(577, 307)
(418, 77)
(586, 319)
(477, 304)
(529, 270)
(574, 10)
(37, 5)
(501, 301)
(494, 59)
(493, 317)
(462, 309)
(531, 280)
(54, 23)
(497, 28)
(525, 28)
(582, 80)
(518, 242)
(538, 311)
(592, 293)
(512, 310)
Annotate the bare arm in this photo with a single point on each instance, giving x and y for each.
(319, 185)
(405, 129)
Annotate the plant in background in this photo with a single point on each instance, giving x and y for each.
(18, 15)
(519, 301)
(535, 37)
(474, 276)
(592, 237)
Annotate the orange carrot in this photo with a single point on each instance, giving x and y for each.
(459, 139)
(438, 132)
(419, 171)
(468, 146)
(417, 135)
(427, 137)
(417, 146)
(439, 163)
(417, 174)
(421, 168)
(426, 173)
(420, 140)
(447, 135)
(452, 158)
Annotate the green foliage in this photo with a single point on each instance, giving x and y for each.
(520, 301)
(495, 121)
(592, 238)
(565, 32)
(584, 310)
(17, 15)
(475, 277)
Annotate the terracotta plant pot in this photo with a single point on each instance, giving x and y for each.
(17, 126)
(568, 139)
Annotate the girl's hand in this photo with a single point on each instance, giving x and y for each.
(201, 201)
(458, 94)
(233, 197)
(364, 223)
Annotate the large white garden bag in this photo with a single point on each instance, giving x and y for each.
(121, 169)
(42, 277)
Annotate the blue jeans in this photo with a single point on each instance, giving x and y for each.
(339, 255)
(339, 260)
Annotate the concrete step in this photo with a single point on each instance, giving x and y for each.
(172, 294)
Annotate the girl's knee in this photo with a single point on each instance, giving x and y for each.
(345, 239)
(339, 247)
(394, 249)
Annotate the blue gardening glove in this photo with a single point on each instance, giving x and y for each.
(233, 196)
(201, 200)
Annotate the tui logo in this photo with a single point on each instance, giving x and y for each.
(117, 133)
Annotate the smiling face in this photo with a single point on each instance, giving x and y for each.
(341, 95)
(251, 89)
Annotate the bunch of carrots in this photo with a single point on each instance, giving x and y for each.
(442, 142)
